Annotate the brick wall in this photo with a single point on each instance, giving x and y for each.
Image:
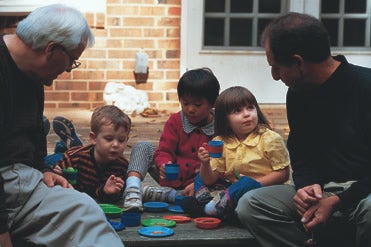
(121, 31)
(276, 115)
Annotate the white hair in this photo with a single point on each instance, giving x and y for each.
(56, 22)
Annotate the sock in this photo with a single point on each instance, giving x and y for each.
(178, 192)
(172, 195)
(133, 181)
(210, 208)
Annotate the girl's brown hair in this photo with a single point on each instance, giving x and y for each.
(229, 100)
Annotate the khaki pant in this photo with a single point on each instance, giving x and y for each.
(54, 216)
(270, 215)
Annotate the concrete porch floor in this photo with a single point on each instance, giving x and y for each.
(185, 234)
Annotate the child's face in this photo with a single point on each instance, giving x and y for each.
(109, 143)
(243, 121)
(196, 110)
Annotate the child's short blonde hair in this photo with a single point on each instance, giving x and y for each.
(109, 114)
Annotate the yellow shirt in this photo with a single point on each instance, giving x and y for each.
(258, 155)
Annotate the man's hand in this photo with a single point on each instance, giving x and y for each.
(5, 240)
(52, 179)
(307, 197)
(114, 185)
(319, 213)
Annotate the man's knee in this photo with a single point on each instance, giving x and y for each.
(244, 208)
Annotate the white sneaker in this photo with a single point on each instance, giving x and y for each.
(133, 199)
(158, 194)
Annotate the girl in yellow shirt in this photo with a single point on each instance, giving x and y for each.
(253, 156)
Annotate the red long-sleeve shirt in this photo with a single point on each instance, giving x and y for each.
(179, 144)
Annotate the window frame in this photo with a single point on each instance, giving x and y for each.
(341, 16)
(254, 15)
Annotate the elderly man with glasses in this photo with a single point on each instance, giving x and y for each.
(37, 207)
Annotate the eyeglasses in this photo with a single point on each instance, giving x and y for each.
(74, 63)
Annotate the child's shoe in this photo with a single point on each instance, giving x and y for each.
(223, 204)
(133, 200)
(46, 124)
(158, 194)
(66, 131)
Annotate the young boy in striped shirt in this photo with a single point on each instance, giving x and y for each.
(101, 165)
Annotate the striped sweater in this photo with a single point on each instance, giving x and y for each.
(91, 176)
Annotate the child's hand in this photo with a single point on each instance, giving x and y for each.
(189, 190)
(57, 169)
(162, 170)
(114, 185)
(203, 154)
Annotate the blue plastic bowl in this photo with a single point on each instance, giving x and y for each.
(155, 206)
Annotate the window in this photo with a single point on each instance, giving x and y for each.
(233, 24)
(348, 22)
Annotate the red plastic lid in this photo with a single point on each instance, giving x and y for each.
(177, 218)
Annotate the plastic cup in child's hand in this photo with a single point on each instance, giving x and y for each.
(70, 174)
(171, 171)
(215, 149)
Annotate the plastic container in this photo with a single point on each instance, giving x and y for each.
(131, 218)
(207, 222)
(171, 171)
(70, 174)
(215, 149)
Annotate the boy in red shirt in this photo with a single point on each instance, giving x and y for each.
(183, 134)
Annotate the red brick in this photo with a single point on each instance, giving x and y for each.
(166, 86)
(153, 32)
(135, 43)
(175, 11)
(148, 86)
(96, 85)
(86, 96)
(88, 74)
(100, 20)
(50, 105)
(169, 21)
(155, 96)
(113, 1)
(90, 19)
(172, 96)
(168, 64)
(57, 96)
(71, 85)
(169, 43)
(173, 75)
(114, 21)
(173, 32)
(173, 54)
(77, 105)
(152, 11)
(139, 21)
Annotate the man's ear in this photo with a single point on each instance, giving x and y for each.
(298, 60)
(49, 49)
